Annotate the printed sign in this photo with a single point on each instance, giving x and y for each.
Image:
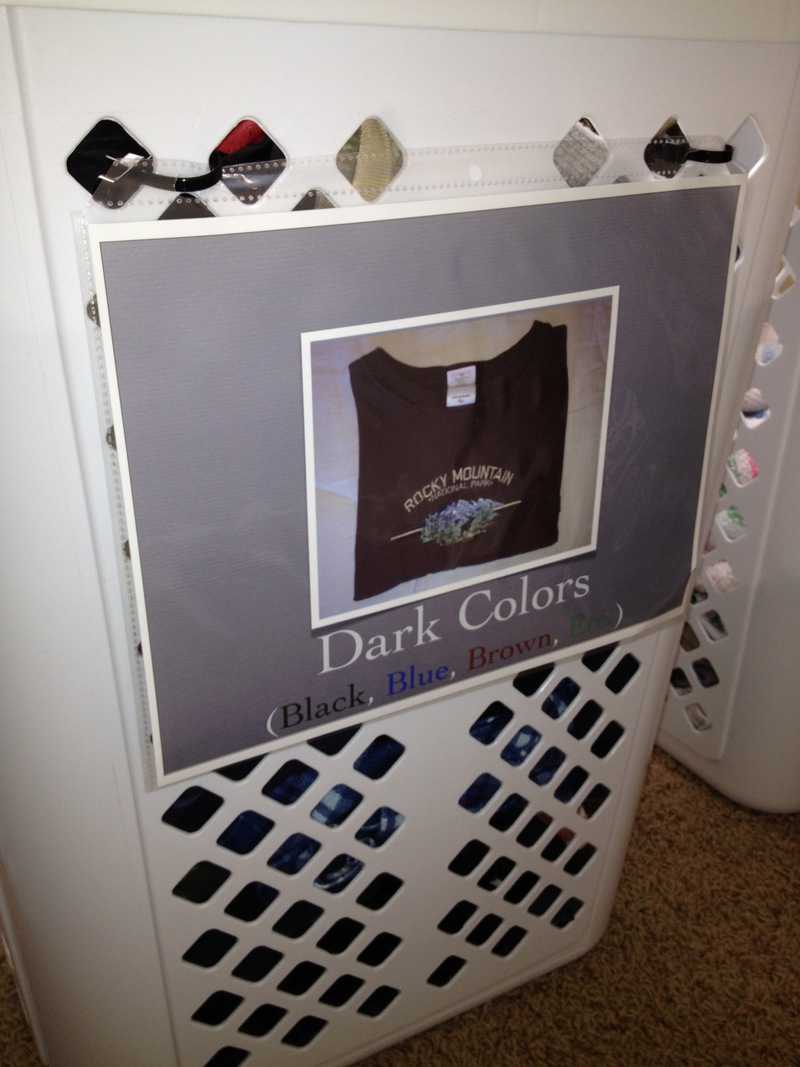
(369, 454)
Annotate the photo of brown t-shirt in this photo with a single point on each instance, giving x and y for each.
(449, 475)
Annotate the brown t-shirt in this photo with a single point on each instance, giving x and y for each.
(448, 486)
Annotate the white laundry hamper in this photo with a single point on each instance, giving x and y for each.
(484, 832)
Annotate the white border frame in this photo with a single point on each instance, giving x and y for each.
(308, 338)
(110, 233)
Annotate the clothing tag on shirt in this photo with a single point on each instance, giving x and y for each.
(461, 386)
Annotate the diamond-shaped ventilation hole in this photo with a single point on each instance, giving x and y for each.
(301, 978)
(201, 882)
(713, 626)
(520, 889)
(192, 810)
(446, 971)
(304, 1031)
(378, 1001)
(250, 160)
(341, 991)
(484, 929)
(491, 723)
(755, 409)
(545, 900)
(371, 158)
(561, 697)
(593, 801)
(607, 739)
(379, 757)
(340, 936)
(379, 892)
(332, 744)
(579, 858)
(749, 146)
(478, 795)
(379, 827)
(666, 152)
(697, 717)
(228, 1057)
(546, 767)
(530, 682)
(744, 468)
(570, 784)
(567, 912)
(622, 673)
(299, 918)
(209, 948)
(534, 829)
(508, 812)
(521, 745)
(250, 902)
(585, 719)
(468, 858)
(379, 949)
(705, 672)
(556, 846)
(289, 783)
(680, 682)
(294, 854)
(458, 915)
(595, 659)
(496, 874)
(237, 772)
(257, 964)
(246, 831)
(263, 1019)
(689, 639)
(580, 154)
(339, 873)
(509, 941)
(336, 805)
(216, 1008)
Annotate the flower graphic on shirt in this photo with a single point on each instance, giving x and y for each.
(461, 520)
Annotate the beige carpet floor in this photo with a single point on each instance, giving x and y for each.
(700, 966)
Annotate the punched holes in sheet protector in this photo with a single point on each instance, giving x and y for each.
(192, 809)
(508, 812)
(371, 158)
(580, 154)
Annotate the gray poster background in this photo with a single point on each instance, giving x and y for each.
(206, 333)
